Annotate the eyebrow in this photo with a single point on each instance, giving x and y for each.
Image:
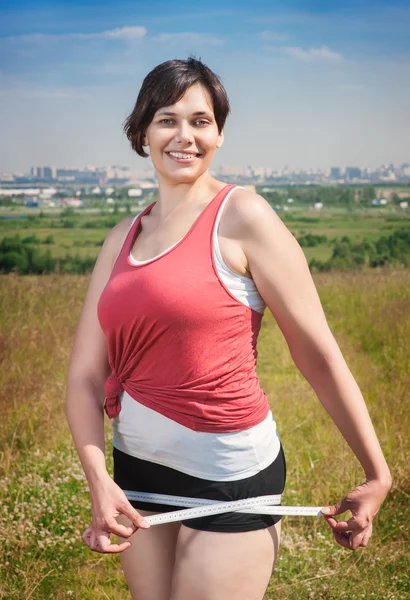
(173, 114)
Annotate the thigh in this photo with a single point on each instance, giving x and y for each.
(148, 564)
(217, 566)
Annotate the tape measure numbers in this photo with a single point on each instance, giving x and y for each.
(201, 507)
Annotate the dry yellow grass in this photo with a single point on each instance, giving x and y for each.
(45, 504)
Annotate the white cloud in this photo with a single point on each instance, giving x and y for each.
(127, 33)
(273, 36)
(313, 54)
(120, 33)
(187, 37)
(124, 33)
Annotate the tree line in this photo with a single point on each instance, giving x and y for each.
(23, 256)
(387, 250)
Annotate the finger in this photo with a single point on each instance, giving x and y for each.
(86, 537)
(366, 538)
(123, 530)
(108, 548)
(103, 544)
(351, 540)
(338, 525)
(87, 532)
(361, 538)
(356, 539)
(113, 548)
(366, 535)
(349, 525)
(332, 522)
(129, 511)
(92, 544)
(116, 528)
(343, 539)
(100, 542)
(335, 509)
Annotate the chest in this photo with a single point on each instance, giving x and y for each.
(156, 238)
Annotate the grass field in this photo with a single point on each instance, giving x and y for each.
(359, 224)
(45, 502)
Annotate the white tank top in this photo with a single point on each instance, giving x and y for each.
(146, 434)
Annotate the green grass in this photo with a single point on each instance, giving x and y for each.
(84, 242)
(43, 492)
(359, 225)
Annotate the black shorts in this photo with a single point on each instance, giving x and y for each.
(134, 474)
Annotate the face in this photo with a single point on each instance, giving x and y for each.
(182, 144)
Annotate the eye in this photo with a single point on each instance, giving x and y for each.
(202, 122)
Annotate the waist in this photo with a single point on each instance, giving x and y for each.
(145, 433)
(206, 408)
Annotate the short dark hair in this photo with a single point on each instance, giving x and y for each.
(165, 85)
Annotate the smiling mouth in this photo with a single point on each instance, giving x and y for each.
(183, 155)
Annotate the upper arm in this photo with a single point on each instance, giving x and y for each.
(280, 271)
(89, 357)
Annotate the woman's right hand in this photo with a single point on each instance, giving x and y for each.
(107, 502)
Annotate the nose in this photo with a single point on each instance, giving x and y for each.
(184, 133)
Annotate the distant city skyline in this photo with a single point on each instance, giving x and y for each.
(149, 167)
(47, 175)
(312, 85)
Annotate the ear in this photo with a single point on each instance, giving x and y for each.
(220, 140)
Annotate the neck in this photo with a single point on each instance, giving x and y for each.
(174, 195)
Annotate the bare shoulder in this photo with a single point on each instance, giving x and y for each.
(248, 203)
(253, 218)
(121, 228)
(281, 274)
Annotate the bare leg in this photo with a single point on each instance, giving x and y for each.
(148, 564)
(218, 566)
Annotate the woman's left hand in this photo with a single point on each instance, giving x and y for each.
(363, 502)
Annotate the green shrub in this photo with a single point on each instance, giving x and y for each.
(13, 261)
(310, 240)
(31, 239)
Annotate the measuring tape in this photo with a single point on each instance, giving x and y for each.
(202, 507)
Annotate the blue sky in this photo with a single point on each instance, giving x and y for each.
(311, 84)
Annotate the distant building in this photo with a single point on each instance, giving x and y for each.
(73, 202)
(134, 192)
(353, 173)
(44, 172)
(335, 172)
(19, 192)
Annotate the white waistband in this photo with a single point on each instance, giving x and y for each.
(201, 507)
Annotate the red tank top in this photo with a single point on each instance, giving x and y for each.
(178, 341)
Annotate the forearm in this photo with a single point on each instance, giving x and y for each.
(340, 395)
(85, 416)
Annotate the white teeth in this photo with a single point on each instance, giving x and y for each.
(182, 155)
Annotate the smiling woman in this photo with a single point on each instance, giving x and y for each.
(164, 86)
(184, 139)
(168, 334)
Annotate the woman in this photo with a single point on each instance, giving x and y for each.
(169, 329)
